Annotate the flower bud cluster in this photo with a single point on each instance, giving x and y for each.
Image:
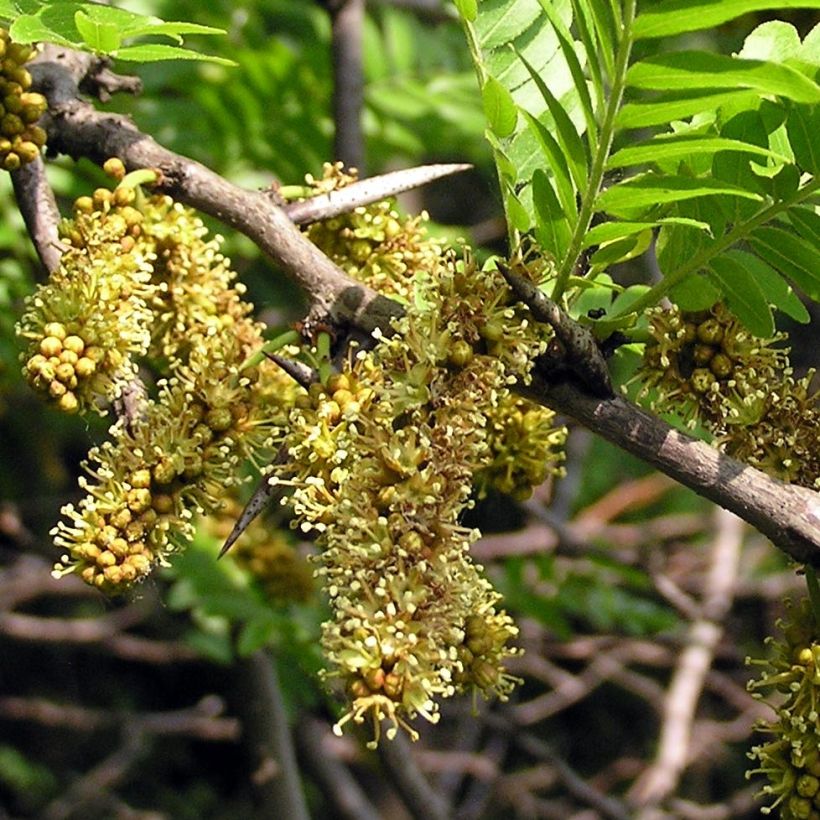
(525, 447)
(382, 459)
(374, 242)
(20, 137)
(791, 758)
(138, 277)
(710, 369)
(84, 326)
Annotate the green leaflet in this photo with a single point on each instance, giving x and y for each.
(775, 288)
(609, 231)
(499, 108)
(803, 128)
(555, 161)
(670, 17)
(645, 191)
(696, 292)
(553, 230)
(701, 70)
(468, 9)
(744, 296)
(97, 34)
(571, 144)
(678, 106)
(680, 146)
(792, 255)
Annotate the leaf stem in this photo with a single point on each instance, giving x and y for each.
(596, 174)
(654, 294)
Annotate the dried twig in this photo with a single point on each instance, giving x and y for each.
(269, 740)
(608, 807)
(661, 778)
(422, 801)
(203, 721)
(343, 793)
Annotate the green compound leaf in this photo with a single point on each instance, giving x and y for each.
(744, 296)
(701, 70)
(792, 255)
(670, 17)
(499, 108)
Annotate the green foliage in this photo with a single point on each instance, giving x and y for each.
(726, 183)
(101, 29)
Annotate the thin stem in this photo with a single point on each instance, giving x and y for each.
(596, 174)
(657, 291)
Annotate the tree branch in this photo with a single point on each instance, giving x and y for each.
(347, 20)
(268, 737)
(77, 129)
(787, 515)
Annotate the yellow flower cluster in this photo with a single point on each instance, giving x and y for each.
(382, 459)
(707, 367)
(85, 325)
(20, 138)
(139, 276)
(791, 759)
(374, 242)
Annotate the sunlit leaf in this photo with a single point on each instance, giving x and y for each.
(97, 35)
(571, 144)
(702, 70)
(159, 51)
(499, 108)
(648, 190)
(669, 17)
(468, 9)
(680, 146)
(608, 231)
(680, 106)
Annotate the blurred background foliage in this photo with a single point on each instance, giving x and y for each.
(619, 525)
